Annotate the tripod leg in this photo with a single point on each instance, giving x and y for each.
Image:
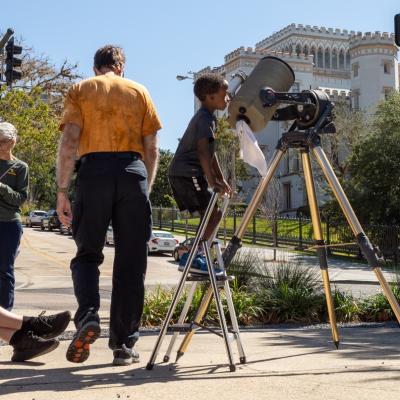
(234, 245)
(319, 239)
(204, 304)
(181, 284)
(220, 309)
(363, 241)
(182, 317)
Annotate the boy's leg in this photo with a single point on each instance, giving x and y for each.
(213, 222)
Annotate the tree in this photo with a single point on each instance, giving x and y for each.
(34, 106)
(227, 149)
(161, 195)
(38, 72)
(374, 185)
(38, 133)
(351, 127)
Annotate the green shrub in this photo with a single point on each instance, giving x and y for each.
(347, 307)
(246, 267)
(247, 305)
(291, 292)
(376, 308)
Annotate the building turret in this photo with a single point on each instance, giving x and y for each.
(374, 68)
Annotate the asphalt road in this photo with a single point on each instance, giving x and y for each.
(43, 278)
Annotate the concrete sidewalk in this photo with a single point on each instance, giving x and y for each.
(282, 363)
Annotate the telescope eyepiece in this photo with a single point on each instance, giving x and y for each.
(267, 97)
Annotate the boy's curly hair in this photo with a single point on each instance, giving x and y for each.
(109, 56)
(208, 83)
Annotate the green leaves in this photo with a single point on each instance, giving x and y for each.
(374, 167)
(38, 139)
(161, 194)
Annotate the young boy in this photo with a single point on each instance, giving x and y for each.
(194, 167)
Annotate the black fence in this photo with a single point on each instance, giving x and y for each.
(296, 233)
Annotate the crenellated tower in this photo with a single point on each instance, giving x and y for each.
(374, 68)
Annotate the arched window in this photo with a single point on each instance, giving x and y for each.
(313, 54)
(341, 60)
(327, 58)
(334, 59)
(290, 49)
(320, 58)
(347, 59)
(305, 50)
(298, 50)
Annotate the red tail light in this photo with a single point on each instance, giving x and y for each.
(154, 241)
(176, 241)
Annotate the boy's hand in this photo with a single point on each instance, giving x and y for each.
(227, 188)
(222, 187)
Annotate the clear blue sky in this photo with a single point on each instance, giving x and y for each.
(165, 38)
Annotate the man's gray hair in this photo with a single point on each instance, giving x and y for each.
(7, 131)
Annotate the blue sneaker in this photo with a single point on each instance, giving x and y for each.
(199, 265)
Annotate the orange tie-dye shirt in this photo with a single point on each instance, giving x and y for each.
(113, 113)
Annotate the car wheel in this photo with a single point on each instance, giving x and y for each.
(27, 224)
(42, 227)
(176, 255)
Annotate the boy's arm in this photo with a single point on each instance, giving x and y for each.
(220, 176)
(217, 169)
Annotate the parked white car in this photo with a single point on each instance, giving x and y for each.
(110, 235)
(162, 242)
(35, 218)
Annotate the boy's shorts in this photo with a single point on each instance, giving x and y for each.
(190, 194)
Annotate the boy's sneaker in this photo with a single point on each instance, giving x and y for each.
(125, 356)
(29, 346)
(47, 326)
(199, 265)
(87, 333)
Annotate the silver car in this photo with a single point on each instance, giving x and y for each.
(35, 218)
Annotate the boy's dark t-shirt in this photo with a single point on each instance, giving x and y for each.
(186, 160)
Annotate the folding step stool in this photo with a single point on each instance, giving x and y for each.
(217, 283)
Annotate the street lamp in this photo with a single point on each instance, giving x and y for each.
(183, 77)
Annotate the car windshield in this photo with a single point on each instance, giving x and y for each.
(163, 234)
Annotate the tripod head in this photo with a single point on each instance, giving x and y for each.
(305, 108)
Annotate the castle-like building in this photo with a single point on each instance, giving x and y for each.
(361, 68)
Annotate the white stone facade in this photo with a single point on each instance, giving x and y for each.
(362, 68)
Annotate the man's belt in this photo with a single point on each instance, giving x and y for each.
(109, 155)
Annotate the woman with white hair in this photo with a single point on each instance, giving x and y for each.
(13, 193)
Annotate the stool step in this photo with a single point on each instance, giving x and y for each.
(180, 328)
(206, 278)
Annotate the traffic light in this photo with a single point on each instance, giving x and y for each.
(12, 62)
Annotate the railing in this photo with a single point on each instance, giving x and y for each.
(285, 231)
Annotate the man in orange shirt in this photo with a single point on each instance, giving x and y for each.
(109, 124)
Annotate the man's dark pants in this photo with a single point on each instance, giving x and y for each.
(106, 191)
(10, 235)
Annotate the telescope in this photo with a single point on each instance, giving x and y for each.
(263, 96)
